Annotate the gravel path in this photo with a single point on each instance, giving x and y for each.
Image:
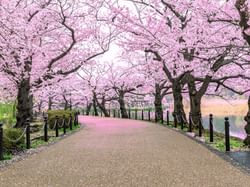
(113, 153)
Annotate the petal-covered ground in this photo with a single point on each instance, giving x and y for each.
(115, 153)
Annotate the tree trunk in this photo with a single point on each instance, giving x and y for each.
(31, 106)
(88, 108)
(70, 104)
(95, 107)
(66, 105)
(40, 104)
(102, 107)
(24, 103)
(195, 102)
(50, 103)
(247, 127)
(122, 105)
(158, 103)
(178, 102)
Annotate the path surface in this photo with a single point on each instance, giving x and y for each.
(116, 153)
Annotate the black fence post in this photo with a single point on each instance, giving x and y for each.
(227, 134)
(1, 141)
(45, 129)
(211, 128)
(168, 118)
(129, 113)
(136, 113)
(64, 125)
(57, 129)
(162, 118)
(101, 113)
(200, 125)
(149, 111)
(142, 115)
(190, 129)
(114, 113)
(70, 122)
(28, 134)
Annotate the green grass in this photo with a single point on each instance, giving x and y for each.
(219, 141)
(7, 156)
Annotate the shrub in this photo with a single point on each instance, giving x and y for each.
(13, 134)
(52, 117)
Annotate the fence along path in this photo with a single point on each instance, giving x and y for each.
(118, 152)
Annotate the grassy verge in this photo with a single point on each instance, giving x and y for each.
(40, 142)
(7, 156)
(219, 138)
(219, 141)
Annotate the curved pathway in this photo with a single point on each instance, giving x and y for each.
(115, 153)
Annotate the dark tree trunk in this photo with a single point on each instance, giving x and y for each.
(70, 104)
(95, 107)
(102, 106)
(195, 102)
(31, 106)
(122, 105)
(247, 127)
(50, 103)
(158, 103)
(103, 109)
(24, 106)
(66, 106)
(66, 103)
(178, 102)
(88, 109)
(40, 104)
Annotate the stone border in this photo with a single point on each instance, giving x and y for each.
(28, 152)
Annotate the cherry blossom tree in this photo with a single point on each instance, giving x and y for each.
(190, 54)
(47, 39)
